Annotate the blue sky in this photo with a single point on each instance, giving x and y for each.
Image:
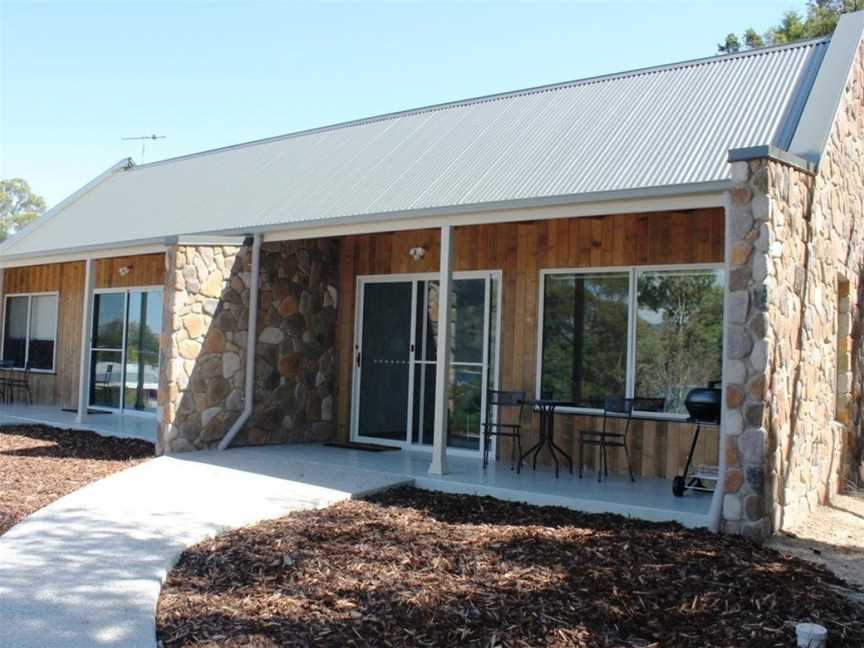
(75, 78)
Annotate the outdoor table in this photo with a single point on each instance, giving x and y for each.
(546, 408)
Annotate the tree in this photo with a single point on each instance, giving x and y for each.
(821, 19)
(18, 206)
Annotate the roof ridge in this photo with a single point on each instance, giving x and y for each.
(635, 72)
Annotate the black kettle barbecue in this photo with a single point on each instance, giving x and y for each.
(703, 405)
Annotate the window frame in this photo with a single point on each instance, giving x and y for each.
(632, 271)
(5, 310)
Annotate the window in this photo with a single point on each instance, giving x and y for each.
(585, 323)
(643, 332)
(30, 331)
(679, 333)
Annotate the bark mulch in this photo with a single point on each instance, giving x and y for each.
(415, 568)
(39, 464)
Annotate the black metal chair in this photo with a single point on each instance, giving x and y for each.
(21, 383)
(6, 381)
(493, 426)
(615, 408)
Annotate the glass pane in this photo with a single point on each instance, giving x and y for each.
(466, 390)
(585, 335)
(43, 328)
(466, 316)
(679, 333)
(15, 342)
(423, 418)
(427, 323)
(105, 375)
(142, 350)
(385, 361)
(469, 304)
(108, 320)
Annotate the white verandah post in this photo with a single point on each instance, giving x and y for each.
(86, 324)
(442, 366)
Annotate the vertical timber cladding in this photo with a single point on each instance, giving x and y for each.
(61, 387)
(520, 250)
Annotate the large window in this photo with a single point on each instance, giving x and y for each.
(585, 335)
(634, 332)
(679, 333)
(30, 331)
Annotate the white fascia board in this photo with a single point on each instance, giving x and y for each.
(29, 229)
(64, 256)
(817, 118)
(708, 195)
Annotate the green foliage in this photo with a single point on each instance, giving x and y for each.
(585, 336)
(679, 335)
(18, 206)
(821, 19)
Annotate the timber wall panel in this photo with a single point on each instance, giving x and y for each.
(61, 387)
(520, 251)
(144, 270)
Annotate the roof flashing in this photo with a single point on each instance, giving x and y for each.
(772, 153)
(823, 101)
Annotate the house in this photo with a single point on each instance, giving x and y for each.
(568, 225)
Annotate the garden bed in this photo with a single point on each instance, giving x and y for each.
(415, 568)
(39, 464)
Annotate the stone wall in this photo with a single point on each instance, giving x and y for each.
(295, 366)
(205, 320)
(794, 345)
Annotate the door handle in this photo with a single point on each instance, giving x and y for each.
(358, 358)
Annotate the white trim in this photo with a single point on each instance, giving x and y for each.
(30, 295)
(438, 465)
(86, 326)
(356, 373)
(632, 272)
(124, 350)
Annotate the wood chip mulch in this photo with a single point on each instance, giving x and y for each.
(415, 568)
(39, 464)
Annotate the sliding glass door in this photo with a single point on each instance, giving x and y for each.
(124, 363)
(396, 358)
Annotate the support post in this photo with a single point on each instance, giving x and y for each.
(86, 325)
(442, 366)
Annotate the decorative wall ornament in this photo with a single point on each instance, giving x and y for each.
(417, 253)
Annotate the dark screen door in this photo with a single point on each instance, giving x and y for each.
(385, 357)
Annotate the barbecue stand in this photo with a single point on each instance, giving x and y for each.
(703, 404)
(694, 477)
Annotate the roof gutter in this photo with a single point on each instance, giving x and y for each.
(251, 340)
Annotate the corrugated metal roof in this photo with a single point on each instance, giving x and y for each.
(664, 126)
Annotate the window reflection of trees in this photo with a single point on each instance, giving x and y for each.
(585, 335)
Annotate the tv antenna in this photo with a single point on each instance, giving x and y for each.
(144, 139)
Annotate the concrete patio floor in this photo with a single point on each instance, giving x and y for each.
(134, 426)
(87, 569)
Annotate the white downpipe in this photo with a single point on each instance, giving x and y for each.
(715, 511)
(251, 343)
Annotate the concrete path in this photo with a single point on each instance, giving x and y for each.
(86, 570)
